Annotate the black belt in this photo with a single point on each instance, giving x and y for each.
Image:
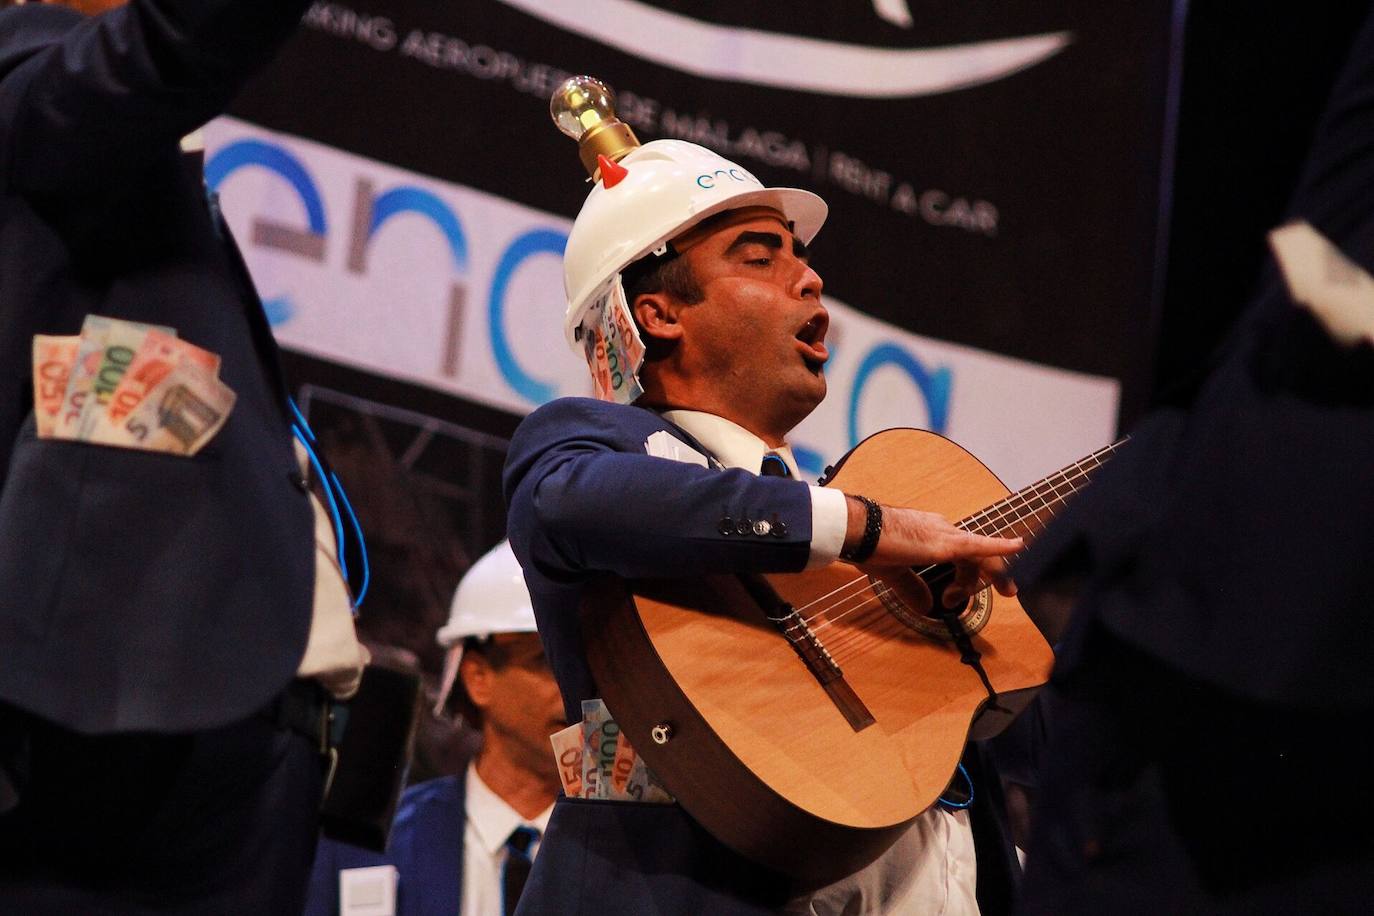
(307, 709)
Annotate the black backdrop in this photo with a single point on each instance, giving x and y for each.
(1068, 152)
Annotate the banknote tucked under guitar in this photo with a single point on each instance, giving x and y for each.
(804, 719)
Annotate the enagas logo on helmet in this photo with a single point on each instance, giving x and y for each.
(709, 180)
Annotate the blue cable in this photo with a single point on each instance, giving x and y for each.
(329, 495)
(300, 421)
(963, 804)
(362, 542)
(333, 487)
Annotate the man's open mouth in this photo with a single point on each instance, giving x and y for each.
(811, 340)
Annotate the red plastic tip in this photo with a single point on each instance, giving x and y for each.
(611, 172)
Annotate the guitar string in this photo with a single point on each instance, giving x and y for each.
(849, 644)
(874, 628)
(1007, 505)
(1017, 508)
(864, 581)
(864, 630)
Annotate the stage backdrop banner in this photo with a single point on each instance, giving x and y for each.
(453, 288)
(992, 173)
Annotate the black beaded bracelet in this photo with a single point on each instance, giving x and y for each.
(873, 527)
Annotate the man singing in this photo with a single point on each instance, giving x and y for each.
(716, 275)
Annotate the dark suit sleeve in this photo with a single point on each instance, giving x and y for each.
(426, 847)
(95, 96)
(584, 497)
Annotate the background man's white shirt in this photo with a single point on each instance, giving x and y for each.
(490, 822)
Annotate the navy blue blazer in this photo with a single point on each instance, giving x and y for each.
(426, 846)
(139, 591)
(585, 498)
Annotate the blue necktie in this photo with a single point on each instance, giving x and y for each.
(517, 867)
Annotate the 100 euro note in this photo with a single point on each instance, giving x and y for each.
(108, 346)
(595, 717)
(624, 350)
(157, 358)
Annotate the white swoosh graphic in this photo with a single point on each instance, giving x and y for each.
(894, 11)
(789, 61)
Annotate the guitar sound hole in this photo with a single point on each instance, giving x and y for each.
(937, 579)
(902, 597)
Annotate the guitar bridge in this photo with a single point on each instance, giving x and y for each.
(810, 650)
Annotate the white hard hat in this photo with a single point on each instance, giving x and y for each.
(669, 186)
(491, 598)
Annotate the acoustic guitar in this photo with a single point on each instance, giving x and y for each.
(805, 719)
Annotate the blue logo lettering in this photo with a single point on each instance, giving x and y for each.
(934, 386)
(254, 152)
(536, 241)
(408, 199)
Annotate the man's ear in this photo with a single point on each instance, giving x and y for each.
(656, 314)
(476, 674)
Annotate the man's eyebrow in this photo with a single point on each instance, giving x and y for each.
(772, 240)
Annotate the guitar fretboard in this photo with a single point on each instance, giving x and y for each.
(1025, 512)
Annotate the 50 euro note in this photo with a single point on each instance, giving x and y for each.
(53, 359)
(626, 329)
(567, 753)
(180, 414)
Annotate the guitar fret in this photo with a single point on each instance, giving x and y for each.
(1032, 506)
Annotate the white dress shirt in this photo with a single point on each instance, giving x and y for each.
(931, 870)
(490, 822)
(333, 655)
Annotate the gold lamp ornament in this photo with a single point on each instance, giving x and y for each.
(583, 107)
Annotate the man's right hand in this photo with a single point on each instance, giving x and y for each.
(911, 537)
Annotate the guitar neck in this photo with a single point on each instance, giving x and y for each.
(1027, 511)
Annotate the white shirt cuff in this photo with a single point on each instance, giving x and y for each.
(829, 522)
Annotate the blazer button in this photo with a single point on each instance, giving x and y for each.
(727, 525)
(744, 526)
(780, 529)
(762, 527)
(298, 480)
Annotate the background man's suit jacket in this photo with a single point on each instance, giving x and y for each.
(585, 497)
(426, 846)
(139, 591)
(1214, 685)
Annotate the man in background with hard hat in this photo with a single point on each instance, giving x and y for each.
(463, 844)
(692, 297)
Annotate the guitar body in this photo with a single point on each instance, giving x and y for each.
(750, 741)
